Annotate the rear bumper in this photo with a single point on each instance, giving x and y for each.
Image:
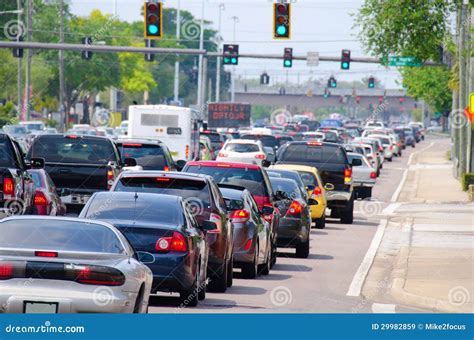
(334, 196)
(291, 232)
(363, 183)
(173, 273)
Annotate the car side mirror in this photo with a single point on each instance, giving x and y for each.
(145, 258)
(180, 164)
(310, 187)
(267, 210)
(209, 226)
(266, 163)
(37, 163)
(312, 201)
(130, 162)
(356, 162)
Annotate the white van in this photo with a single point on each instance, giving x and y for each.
(177, 127)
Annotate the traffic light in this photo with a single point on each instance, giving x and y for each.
(332, 83)
(371, 83)
(281, 21)
(346, 59)
(231, 54)
(86, 55)
(326, 94)
(288, 57)
(149, 56)
(153, 12)
(264, 79)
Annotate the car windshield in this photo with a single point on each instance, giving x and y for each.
(269, 141)
(313, 153)
(73, 150)
(250, 179)
(59, 235)
(16, 130)
(186, 188)
(241, 148)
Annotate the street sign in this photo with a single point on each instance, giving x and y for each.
(229, 115)
(312, 59)
(404, 61)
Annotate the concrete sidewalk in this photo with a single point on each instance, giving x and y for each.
(426, 257)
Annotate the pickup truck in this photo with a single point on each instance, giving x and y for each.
(17, 189)
(78, 165)
(335, 170)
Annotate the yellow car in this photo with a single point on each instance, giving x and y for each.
(315, 187)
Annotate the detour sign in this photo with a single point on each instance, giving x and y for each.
(229, 115)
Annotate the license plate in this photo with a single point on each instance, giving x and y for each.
(41, 308)
(75, 199)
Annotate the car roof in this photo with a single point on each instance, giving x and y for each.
(234, 165)
(139, 141)
(58, 218)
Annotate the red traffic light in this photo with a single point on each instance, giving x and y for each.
(152, 7)
(282, 9)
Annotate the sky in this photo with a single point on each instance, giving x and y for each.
(322, 26)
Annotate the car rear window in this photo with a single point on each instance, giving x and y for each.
(7, 159)
(269, 141)
(286, 185)
(37, 179)
(149, 157)
(308, 178)
(185, 188)
(73, 150)
(59, 235)
(251, 179)
(241, 148)
(313, 153)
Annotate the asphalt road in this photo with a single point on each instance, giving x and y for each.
(320, 283)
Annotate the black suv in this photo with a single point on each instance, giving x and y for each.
(149, 154)
(335, 170)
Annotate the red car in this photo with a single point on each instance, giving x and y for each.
(47, 200)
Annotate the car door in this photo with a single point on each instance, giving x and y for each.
(262, 227)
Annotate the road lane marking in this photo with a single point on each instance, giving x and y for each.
(359, 278)
(383, 308)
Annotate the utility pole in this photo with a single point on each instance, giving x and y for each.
(232, 97)
(201, 46)
(29, 56)
(176, 65)
(62, 109)
(219, 59)
(113, 90)
(470, 158)
(19, 79)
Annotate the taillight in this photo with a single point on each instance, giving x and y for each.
(110, 178)
(175, 243)
(260, 156)
(8, 186)
(97, 275)
(380, 149)
(166, 168)
(248, 244)
(46, 254)
(240, 216)
(317, 192)
(347, 176)
(399, 144)
(295, 208)
(373, 175)
(6, 271)
(221, 154)
(186, 152)
(40, 199)
(218, 221)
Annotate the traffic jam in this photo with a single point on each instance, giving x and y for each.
(165, 204)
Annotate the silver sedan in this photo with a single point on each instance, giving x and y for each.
(68, 265)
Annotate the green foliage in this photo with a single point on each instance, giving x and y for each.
(261, 111)
(7, 114)
(467, 180)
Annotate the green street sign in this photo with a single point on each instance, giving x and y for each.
(404, 61)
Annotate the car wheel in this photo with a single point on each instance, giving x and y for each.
(250, 270)
(347, 215)
(413, 145)
(390, 159)
(230, 272)
(190, 298)
(274, 254)
(218, 283)
(368, 193)
(302, 250)
(265, 268)
(321, 222)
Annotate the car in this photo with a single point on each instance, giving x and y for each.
(377, 147)
(164, 226)
(364, 176)
(275, 171)
(371, 155)
(283, 139)
(267, 140)
(416, 133)
(409, 137)
(67, 265)
(207, 203)
(318, 136)
(148, 154)
(34, 125)
(206, 153)
(336, 172)
(250, 176)
(17, 189)
(374, 124)
(243, 151)
(19, 132)
(387, 144)
(271, 155)
(252, 234)
(421, 128)
(79, 165)
(313, 187)
(217, 140)
(295, 217)
(47, 201)
(401, 134)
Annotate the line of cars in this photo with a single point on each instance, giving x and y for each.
(182, 227)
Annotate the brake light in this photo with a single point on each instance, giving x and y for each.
(72, 137)
(248, 244)
(110, 178)
(132, 145)
(399, 144)
(295, 208)
(218, 221)
(97, 275)
(178, 243)
(240, 216)
(314, 143)
(222, 165)
(373, 175)
(40, 199)
(6, 271)
(166, 168)
(380, 149)
(46, 254)
(260, 156)
(347, 176)
(221, 154)
(8, 186)
(317, 192)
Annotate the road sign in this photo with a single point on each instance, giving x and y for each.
(312, 59)
(471, 103)
(229, 115)
(404, 61)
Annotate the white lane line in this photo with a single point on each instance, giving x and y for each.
(383, 308)
(359, 278)
(390, 209)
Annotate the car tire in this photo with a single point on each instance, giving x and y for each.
(218, 283)
(321, 222)
(250, 270)
(413, 145)
(390, 159)
(190, 298)
(230, 273)
(347, 215)
(368, 193)
(302, 250)
(265, 268)
(274, 253)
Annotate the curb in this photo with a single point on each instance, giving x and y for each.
(400, 294)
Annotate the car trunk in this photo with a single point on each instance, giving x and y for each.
(78, 176)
